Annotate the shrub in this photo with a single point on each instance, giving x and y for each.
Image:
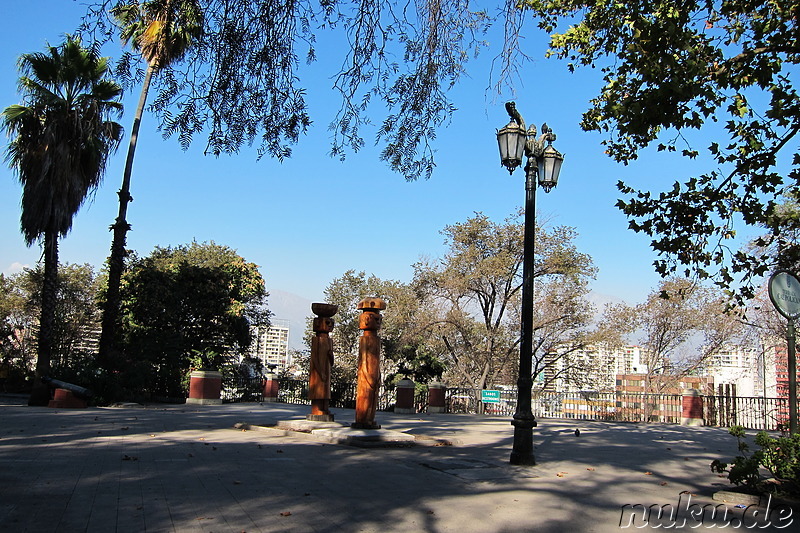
(779, 455)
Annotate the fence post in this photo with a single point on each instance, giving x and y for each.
(205, 387)
(271, 388)
(436, 397)
(404, 402)
(692, 412)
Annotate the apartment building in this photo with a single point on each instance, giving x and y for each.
(271, 344)
(593, 367)
(736, 366)
(776, 367)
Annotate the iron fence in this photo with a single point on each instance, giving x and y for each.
(621, 407)
(723, 411)
(295, 391)
(751, 412)
(237, 388)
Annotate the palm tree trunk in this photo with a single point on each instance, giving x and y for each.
(107, 356)
(40, 394)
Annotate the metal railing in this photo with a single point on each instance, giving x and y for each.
(621, 407)
(295, 391)
(723, 411)
(236, 388)
(751, 412)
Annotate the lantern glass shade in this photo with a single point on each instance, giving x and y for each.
(549, 167)
(511, 141)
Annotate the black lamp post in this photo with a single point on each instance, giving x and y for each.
(544, 164)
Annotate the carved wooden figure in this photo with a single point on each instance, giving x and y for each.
(369, 363)
(319, 375)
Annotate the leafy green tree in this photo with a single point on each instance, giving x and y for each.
(61, 137)
(184, 306)
(562, 332)
(161, 31)
(777, 246)
(680, 325)
(724, 66)
(402, 348)
(77, 320)
(17, 339)
(474, 297)
(407, 345)
(75, 329)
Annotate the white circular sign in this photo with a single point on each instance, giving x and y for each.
(784, 291)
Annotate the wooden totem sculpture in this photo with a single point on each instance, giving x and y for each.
(319, 375)
(369, 363)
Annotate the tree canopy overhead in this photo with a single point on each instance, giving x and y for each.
(239, 82)
(672, 67)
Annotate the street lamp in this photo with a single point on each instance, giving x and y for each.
(544, 165)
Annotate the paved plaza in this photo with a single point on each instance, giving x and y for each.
(195, 469)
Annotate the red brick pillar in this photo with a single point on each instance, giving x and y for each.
(436, 393)
(271, 388)
(692, 403)
(404, 403)
(205, 387)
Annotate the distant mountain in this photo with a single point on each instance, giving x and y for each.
(288, 306)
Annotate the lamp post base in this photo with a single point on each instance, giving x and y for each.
(522, 453)
(522, 459)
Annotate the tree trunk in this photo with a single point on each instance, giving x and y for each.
(40, 394)
(108, 357)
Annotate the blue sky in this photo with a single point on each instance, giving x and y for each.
(309, 219)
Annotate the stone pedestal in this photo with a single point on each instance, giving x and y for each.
(271, 388)
(64, 398)
(436, 394)
(205, 387)
(404, 402)
(692, 404)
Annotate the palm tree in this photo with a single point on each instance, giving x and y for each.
(61, 137)
(161, 31)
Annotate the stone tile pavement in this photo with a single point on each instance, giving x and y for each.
(188, 469)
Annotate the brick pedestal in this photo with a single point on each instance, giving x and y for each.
(436, 391)
(271, 388)
(64, 398)
(692, 412)
(205, 387)
(404, 402)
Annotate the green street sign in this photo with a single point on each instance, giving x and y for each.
(490, 396)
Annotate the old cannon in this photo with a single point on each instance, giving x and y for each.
(77, 390)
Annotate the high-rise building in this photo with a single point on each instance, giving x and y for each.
(777, 372)
(271, 344)
(734, 365)
(630, 360)
(592, 367)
